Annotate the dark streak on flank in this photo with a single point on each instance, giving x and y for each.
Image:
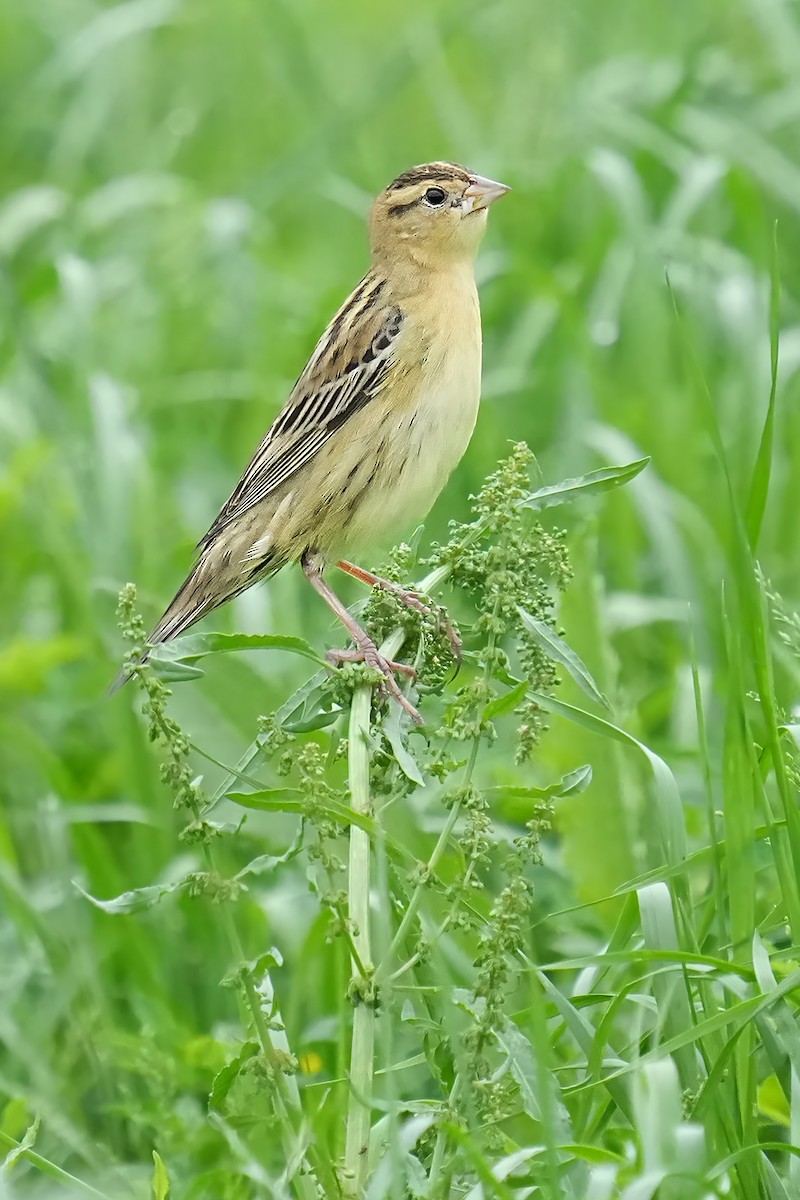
(355, 500)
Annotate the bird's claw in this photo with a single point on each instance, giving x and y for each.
(414, 601)
(368, 653)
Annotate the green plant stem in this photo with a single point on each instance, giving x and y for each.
(433, 862)
(362, 1051)
(432, 581)
(439, 933)
(51, 1170)
(287, 1096)
(440, 1146)
(363, 1040)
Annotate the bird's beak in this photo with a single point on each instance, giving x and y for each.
(482, 192)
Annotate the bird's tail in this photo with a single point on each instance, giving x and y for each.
(192, 601)
(221, 572)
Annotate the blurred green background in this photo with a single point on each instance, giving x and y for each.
(183, 189)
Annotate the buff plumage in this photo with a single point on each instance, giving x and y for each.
(379, 417)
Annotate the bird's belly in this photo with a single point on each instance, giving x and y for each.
(416, 449)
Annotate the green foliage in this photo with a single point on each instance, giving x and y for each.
(181, 208)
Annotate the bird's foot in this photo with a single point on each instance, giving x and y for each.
(415, 602)
(412, 600)
(367, 652)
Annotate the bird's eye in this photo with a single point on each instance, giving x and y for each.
(435, 196)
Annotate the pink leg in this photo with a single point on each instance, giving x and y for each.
(365, 649)
(411, 599)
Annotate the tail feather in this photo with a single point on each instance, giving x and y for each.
(210, 583)
(189, 605)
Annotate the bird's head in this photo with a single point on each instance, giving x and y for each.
(433, 213)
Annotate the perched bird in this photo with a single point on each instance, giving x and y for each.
(379, 418)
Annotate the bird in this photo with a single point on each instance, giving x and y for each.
(381, 414)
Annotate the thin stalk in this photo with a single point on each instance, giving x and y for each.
(428, 583)
(433, 862)
(442, 929)
(440, 1147)
(362, 1052)
(50, 1169)
(287, 1096)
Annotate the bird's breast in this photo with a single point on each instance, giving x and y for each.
(428, 412)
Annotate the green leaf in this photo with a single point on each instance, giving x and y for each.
(320, 720)
(307, 699)
(280, 800)
(26, 211)
(669, 810)
(265, 864)
(160, 1178)
(15, 1117)
(398, 1156)
(574, 782)
(505, 703)
(571, 784)
(256, 968)
(26, 664)
(772, 1102)
(175, 672)
(269, 799)
(198, 645)
(224, 1079)
(583, 1033)
(20, 1151)
(133, 901)
(557, 649)
(568, 490)
(402, 755)
(671, 991)
(523, 1066)
(759, 484)
(782, 1014)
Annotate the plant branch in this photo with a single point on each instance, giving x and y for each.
(363, 1039)
(287, 1096)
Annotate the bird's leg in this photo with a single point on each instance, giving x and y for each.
(365, 649)
(412, 600)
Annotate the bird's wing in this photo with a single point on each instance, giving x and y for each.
(348, 367)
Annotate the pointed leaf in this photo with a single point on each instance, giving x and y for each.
(160, 1178)
(224, 1079)
(402, 755)
(198, 645)
(759, 484)
(557, 649)
(19, 1151)
(603, 480)
(669, 807)
(133, 901)
(571, 784)
(284, 800)
(505, 703)
(265, 864)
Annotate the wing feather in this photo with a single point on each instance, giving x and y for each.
(362, 337)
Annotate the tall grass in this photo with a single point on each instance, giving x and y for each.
(182, 201)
